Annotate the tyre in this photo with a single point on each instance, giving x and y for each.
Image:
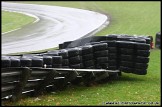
(89, 63)
(75, 60)
(6, 62)
(126, 58)
(125, 44)
(102, 59)
(126, 51)
(140, 71)
(142, 46)
(25, 62)
(141, 65)
(47, 60)
(112, 49)
(126, 69)
(56, 65)
(74, 52)
(102, 66)
(99, 47)
(91, 67)
(110, 43)
(87, 49)
(144, 53)
(65, 62)
(103, 53)
(127, 64)
(98, 38)
(112, 37)
(112, 56)
(140, 59)
(63, 53)
(56, 59)
(77, 66)
(15, 62)
(65, 66)
(60, 46)
(36, 62)
(112, 62)
(138, 40)
(88, 57)
(112, 68)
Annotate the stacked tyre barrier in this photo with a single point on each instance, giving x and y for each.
(85, 60)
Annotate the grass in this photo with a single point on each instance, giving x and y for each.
(12, 21)
(142, 18)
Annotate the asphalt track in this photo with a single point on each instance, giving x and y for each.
(55, 25)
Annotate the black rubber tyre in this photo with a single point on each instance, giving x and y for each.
(63, 53)
(112, 62)
(65, 66)
(125, 44)
(99, 47)
(110, 43)
(75, 60)
(56, 59)
(112, 68)
(140, 71)
(25, 62)
(138, 40)
(112, 49)
(77, 66)
(140, 59)
(112, 37)
(57, 66)
(102, 66)
(126, 69)
(142, 46)
(98, 38)
(88, 57)
(127, 64)
(141, 65)
(47, 60)
(127, 51)
(87, 49)
(127, 58)
(103, 53)
(145, 53)
(102, 59)
(36, 62)
(74, 52)
(15, 62)
(65, 62)
(89, 63)
(91, 67)
(112, 56)
(6, 62)
(61, 46)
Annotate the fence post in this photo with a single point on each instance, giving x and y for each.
(24, 76)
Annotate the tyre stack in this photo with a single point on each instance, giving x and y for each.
(127, 56)
(100, 55)
(113, 55)
(75, 58)
(88, 57)
(5, 61)
(142, 51)
(65, 60)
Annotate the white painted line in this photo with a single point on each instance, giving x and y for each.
(28, 14)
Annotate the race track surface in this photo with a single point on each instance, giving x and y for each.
(55, 25)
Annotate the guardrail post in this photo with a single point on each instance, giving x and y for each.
(49, 78)
(25, 74)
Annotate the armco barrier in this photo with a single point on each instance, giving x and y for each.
(33, 81)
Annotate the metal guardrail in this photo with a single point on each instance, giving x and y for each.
(34, 80)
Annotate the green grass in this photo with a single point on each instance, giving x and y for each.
(12, 20)
(142, 18)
